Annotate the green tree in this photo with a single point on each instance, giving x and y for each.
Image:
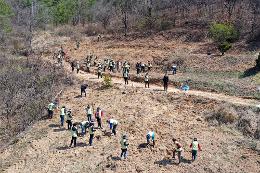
(223, 35)
(5, 16)
(64, 11)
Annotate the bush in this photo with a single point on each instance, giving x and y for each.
(27, 85)
(224, 47)
(223, 35)
(107, 81)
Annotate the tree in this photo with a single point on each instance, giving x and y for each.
(230, 6)
(64, 11)
(223, 35)
(5, 17)
(125, 7)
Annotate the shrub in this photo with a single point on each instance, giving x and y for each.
(223, 35)
(27, 86)
(107, 81)
(220, 33)
(224, 47)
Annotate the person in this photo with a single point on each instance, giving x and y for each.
(111, 65)
(72, 66)
(51, 107)
(62, 115)
(146, 80)
(84, 125)
(99, 37)
(165, 82)
(91, 133)
(174, 69)
(62, 53)
(112, 125)
(149, 66)
(74, 134)
(89, 113)
(138, 69)
(150, 135)
(143, 67)
(99, 115)
(69, 119)
(124, 145)
(126, 77)
(118, 64)
(195, 146)
(88, 67)
(185, 87)
(77, 44)
(77, 67)
(177, 150)
(99, 72)
(83, 88)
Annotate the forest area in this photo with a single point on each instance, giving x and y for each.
(20, 18)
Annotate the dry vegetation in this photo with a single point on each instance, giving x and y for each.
(160, 31)
(27, 86)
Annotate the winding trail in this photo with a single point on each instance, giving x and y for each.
(214, 96)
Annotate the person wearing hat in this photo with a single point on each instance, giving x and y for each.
(74, 134)
(91, 133)
(62, 115)
(150, 135)
(99, 115)
(83, 88)
(112, 125)
(177, 150)
(124, 145)
(69, 119)
(146, 80)
(195, 146)
(84, 125)
(51, 107)
(89, 113)
(165, 82)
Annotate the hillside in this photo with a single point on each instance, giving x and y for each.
(44, 147)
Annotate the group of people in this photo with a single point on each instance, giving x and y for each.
(88, 125)
(142, 68)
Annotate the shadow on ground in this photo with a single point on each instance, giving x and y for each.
(54, 125)
(63, 148)
(143, 145)
(80, 144)
(59, 130)
(116, 158)
(165, 162)
(250, 72)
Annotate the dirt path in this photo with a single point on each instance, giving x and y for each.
(215, 96)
